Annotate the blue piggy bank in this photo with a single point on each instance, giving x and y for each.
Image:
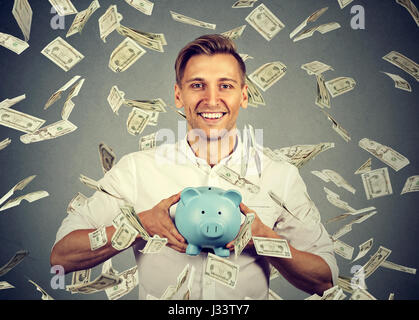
(208, 217)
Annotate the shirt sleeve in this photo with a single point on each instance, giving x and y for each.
(100, 209)
(302, 227)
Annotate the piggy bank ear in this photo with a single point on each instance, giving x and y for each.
(188, 194)
(234, 196)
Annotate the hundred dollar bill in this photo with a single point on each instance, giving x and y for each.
(5, 285)
(109, 22)
(133, 219)
(312, 18)
(62, 54)
(188, 20)
(30, 197)
(324, 28)
(116, 99)
(322, 98)
(98, 238)
(268, 74)
(265, 22)
(403, 63)
(340, 85)
(221, 270)
(154, 244)
(13, 262)
(316, 68)
(344, 3)
(57, 94)
(78, 201)
(19, 186)
(124, 55)
(143, 6)
(255, 98)
(272, 247)
(3, 144)
(245, 234)
(235, 33)
(411, 185)
(141, 38)
(45, 295)
(155, 105)
(244, 4)
(411, 8)
(343, 249)
(373, 263)
(102, 282)
(391, 265)
(129, 280)
(364, 248)
(148, 141)
(377, 183)
(345, 284)
(137, 121)
(52, 131)
(124, 236)
(338, 128)
(365, 167)
(19, 121)
(81, 18)
(386, 154)
(362, 294)
(81, 277)
(12, 43)
(107, 157)
(7, 103)
(63, 7)
(399, 82)
(22, 12)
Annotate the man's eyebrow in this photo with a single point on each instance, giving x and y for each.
(202, 79)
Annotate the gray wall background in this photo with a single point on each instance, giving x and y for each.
(374, 109)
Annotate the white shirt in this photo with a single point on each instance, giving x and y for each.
(144, 178)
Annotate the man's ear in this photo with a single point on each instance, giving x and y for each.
(178, 97)
(245, 97)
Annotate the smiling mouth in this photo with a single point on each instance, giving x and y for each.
(212, 115)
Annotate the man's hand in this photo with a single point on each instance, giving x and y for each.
(157, 221)
(259, 229)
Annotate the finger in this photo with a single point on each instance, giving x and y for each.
(244, 209)
(173, 241)
(171, 200)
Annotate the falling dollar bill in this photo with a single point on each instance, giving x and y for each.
(365, 167)
(333, 293)
(132, 218)
(102, 282)
(411, 8)
(78, 201)
(30, 197)
(393, 266)
(384, 153)
(116, 99)
(323, 97)
(364, 248)
(7, 103)
(312, 18)
(265, 22)
(19, 121)
(245, 234)
(154, 244)
(123, 236)
(98, 238)
(143, 6)
(411, 185)
(3, 144)
(12, 43)
(22, 12)
(95, 185)
(155, 105)
(361, 294)
(81, 18)
(13, 262)
(5, 285)
(316, 67)
(324, 28)
(221, 270)
(62, 54)
(63, 7)
(373, 263)
(272, 247)
(340, 86)
(268, 74)
(148, 141)
(45, 295)
(377, 183)
(57, 94)
(344, 3)
(52, 131)
(343, 249)
(137, 121)
(338, 128)
(244, 4)
(129, 280)
(255, 98)
(334, 199)
(235, 179)
(141, 38)
(81, 277)
(188, 20)
(19, 186)
(109, 22)
(107, 157)
(399, 82)
(235, 33)
(125, 55)
(403, 63)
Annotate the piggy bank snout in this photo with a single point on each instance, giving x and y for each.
(212, 230)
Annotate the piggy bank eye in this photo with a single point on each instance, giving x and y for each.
(219, 212)
(202, 211)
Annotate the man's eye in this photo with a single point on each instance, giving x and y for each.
(226, 86)
(197, 85)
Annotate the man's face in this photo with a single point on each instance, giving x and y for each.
(211, 94)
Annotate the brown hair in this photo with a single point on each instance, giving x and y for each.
(209, 44)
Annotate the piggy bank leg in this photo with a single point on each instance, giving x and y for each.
(222, 252)
(193, 250)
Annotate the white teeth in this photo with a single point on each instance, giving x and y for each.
(212, 115)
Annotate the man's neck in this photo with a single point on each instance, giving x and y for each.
(212, 150)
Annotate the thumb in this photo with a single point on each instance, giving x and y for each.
(172, 200)
(244, 209)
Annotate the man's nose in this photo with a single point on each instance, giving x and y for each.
(212, 95)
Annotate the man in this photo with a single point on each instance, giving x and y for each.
(210, 86)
